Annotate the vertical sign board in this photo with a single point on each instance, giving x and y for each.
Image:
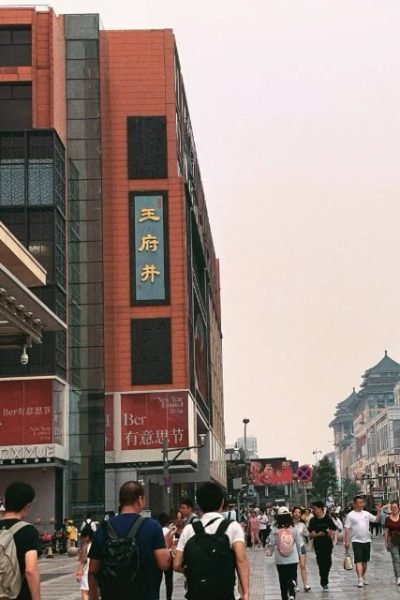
(149, 248)
(26, 412)
(148, 419)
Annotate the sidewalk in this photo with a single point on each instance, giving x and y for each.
(58, 582)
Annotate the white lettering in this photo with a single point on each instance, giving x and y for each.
(27, 452)
(130, 419)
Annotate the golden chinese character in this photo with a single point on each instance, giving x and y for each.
(149, 272)
(148, 214)
(149, 243)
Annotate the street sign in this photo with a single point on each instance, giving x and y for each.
(304, 474)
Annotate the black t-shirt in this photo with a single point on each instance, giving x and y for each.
(150, 537)
(322, 525)
(26, 539)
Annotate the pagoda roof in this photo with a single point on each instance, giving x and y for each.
(386, 365)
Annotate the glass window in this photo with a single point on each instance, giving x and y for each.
(15, 46)
(15, 106)
(12, 182)
(40, 181)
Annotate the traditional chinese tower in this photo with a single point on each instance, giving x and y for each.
(117, 209)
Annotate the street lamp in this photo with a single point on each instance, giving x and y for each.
(245, 423)
(167, 463)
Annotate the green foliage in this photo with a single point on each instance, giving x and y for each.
(324, 479)
(349, 490)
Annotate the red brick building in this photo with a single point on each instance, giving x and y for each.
(96, 147)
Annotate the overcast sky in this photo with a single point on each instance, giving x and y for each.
(295, 108)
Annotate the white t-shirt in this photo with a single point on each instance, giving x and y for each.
(234, 532)
(358, 523)
(263, 519)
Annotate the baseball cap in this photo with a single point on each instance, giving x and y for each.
(283, 510)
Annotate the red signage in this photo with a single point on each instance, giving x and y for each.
(304, 474)
(271, 471)
(148, 419)
(109, 424)
(26, 412)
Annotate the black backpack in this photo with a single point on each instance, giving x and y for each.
(209, 563)
(121, 574)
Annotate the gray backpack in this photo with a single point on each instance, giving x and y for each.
(10, 574)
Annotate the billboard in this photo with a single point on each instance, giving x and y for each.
(148, 419)
(271, 471)
(26, 412)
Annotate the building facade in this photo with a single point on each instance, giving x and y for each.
(99, 179)
(366, 430)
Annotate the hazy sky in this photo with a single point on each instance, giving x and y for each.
(295, 108)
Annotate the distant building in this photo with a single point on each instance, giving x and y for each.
(251, 446)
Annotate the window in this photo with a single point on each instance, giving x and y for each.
(15, 106)
(15, 46)
(147, 147)
(151, 351)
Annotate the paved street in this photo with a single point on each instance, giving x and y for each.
(59, 583)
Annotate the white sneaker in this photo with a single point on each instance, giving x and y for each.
(365, 582)
(398, 581)
(360, 582)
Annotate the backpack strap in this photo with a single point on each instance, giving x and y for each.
(17, 527)
(198, 527)
(133, 530)
(223, 526)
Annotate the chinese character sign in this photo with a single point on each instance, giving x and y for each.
(148, 419)
(26, 412)
(271, 471)
(149, 248)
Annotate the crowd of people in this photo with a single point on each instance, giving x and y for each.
(128, 555)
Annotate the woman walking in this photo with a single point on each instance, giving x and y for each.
(304, 537)
(285, 543)
(392, 538)
(254, 528)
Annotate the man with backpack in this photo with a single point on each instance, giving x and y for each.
(19, 546)
(211, 550)
(129, 552)
(186, 510)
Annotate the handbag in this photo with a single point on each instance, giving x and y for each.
(347, 563)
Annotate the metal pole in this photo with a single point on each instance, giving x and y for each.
(166, 483)
(305, 495)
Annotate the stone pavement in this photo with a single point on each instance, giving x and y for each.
(58, 582)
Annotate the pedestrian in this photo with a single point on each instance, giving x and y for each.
(254, 529)
(307, 516)
(285, 543)
(300, 525)
(88, 521)
(229, 512)
(356, 527)
(264, 527)
(392, 538)
(339, 526)
(187, 512)
(322, 529)
(131, 578)
(212, 550)
(82, 571)
(168, 527)
(72, 535)
(25, 579)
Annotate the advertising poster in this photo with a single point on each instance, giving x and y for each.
(26, 412)
(271, 471)
(148, 419)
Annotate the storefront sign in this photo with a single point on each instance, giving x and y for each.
(149, 240)
(148, 419)
(27, 454)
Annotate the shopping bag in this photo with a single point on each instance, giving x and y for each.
(348, 563)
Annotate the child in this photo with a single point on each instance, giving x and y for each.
(82, 571)
(286, 542)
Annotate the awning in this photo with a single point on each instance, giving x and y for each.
(22, 315)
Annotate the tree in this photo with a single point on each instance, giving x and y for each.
(349, 489)
(324, 479)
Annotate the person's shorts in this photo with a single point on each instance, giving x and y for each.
(362, 552)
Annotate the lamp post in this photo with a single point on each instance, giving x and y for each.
(245, 423)
(167, 463)
(236, 458)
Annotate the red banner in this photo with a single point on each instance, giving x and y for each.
(109, 423)
(271, 471)
(26, 412)
(148, 419)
